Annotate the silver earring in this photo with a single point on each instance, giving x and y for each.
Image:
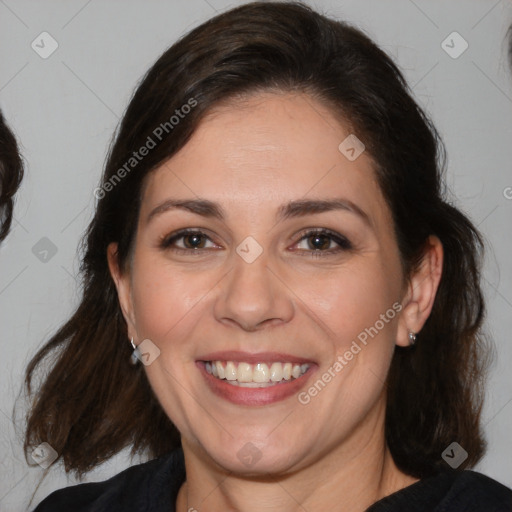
(135, 357)
(412, 338)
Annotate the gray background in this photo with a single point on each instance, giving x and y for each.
(65, 108)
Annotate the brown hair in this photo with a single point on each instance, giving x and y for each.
(93, 403)
(11, 174)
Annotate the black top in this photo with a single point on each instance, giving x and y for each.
(154, 485)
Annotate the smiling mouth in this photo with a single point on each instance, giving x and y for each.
(256, 375)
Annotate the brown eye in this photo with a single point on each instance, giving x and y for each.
(319, 243)
(192, 240)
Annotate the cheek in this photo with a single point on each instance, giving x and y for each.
(164, 300)
(359, 309)
(352, 300)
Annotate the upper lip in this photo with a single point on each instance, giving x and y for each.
(251, 357)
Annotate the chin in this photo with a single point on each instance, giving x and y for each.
(248, 458)
(251, 465)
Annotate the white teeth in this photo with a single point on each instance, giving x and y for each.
(260, 373)
(220, 370)
(276, 372)
(230, 371)
(244, 372)
(255, 375)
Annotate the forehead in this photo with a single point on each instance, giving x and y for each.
(266, 150)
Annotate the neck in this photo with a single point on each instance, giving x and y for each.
(354, 478)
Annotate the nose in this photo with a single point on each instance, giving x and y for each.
(253, 296)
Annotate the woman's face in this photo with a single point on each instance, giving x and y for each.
(255, 289)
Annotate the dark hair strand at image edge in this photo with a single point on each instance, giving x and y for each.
(11, 175)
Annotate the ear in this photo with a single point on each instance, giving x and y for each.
(421, 291)
(124, 290)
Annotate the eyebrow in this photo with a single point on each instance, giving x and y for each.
(293, 209)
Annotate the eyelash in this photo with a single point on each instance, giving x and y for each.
(343, 242)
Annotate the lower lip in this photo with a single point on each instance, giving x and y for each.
(254, 396)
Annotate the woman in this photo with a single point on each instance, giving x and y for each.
(303, 306)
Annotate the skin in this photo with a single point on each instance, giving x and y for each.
(252, 157)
